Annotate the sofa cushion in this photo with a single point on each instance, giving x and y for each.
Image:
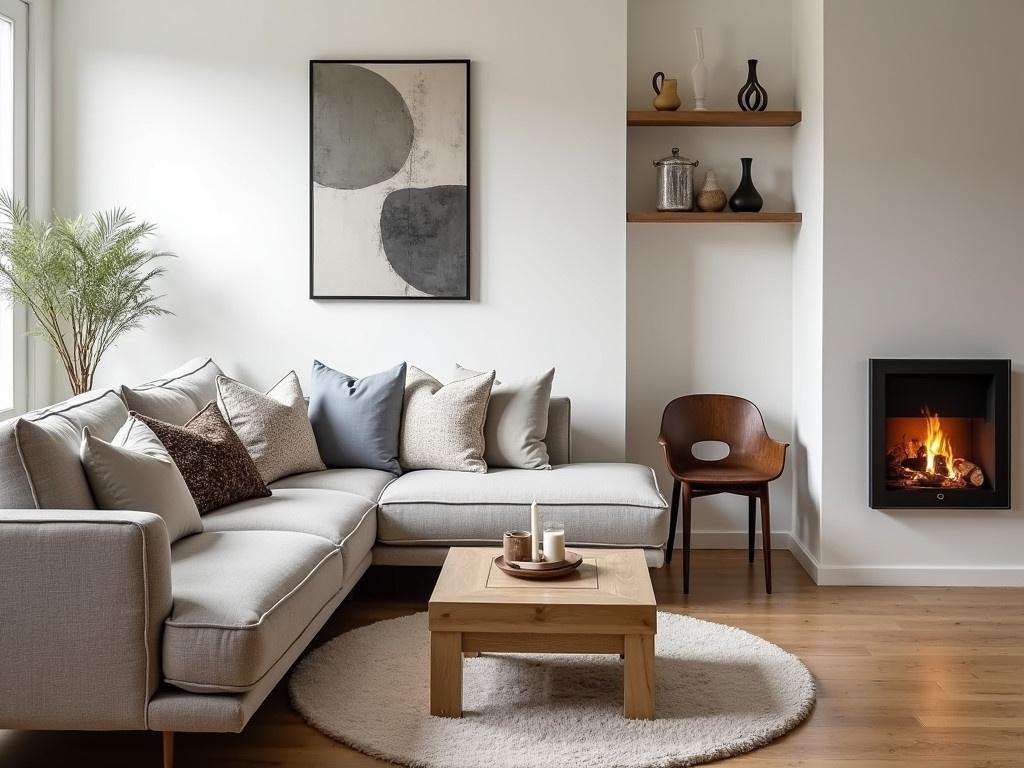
(213, 461)
(241, 598)
(367, 483)
(517, 420)
(49, 442)
(178, 395)
(606, 504)
(274, 427)
(356, 421)
(134, 472)
(443, 424)
(346, 520)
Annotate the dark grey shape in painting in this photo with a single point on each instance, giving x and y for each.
(424, 236)
(362, 129)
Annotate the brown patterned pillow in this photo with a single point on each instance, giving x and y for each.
(217, 469)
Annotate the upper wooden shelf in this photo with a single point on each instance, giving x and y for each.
(707, 217)
(727, 119)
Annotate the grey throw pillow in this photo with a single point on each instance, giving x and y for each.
(178, 395)
(356, 421)
(134, 471)
(517, 421)
(443, 425)
(274, 427)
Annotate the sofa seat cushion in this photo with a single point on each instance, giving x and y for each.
(241, 598)
(348, 521)
(367, 483)
(602, 504)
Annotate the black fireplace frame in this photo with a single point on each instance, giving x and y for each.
(995, 497)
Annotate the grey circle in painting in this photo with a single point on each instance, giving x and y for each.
(362, 129)
(424, 237)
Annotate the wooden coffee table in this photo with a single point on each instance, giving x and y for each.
(606, 606)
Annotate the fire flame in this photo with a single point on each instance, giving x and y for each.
(937, 444)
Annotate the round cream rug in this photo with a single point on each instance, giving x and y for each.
(720, 691)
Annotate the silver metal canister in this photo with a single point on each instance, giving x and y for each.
(675, 182)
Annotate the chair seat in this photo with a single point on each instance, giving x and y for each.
(723, 474)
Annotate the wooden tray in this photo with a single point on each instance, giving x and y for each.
(541, 570)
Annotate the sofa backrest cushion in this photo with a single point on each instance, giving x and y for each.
(15, 492)
(49, 442)
(559, 430)
(176, 396)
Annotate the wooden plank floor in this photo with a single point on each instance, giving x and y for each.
(907, 677)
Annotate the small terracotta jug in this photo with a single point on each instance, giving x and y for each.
(667, 98)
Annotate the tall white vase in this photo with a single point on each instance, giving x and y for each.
(699, 73)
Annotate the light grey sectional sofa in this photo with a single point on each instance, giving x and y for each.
(104, 625)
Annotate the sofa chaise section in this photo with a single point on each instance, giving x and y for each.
(423, 513)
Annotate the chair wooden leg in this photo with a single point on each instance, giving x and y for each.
(673, 512)
(751, 518)
(687, 503)
(766, 536)
(168, 749)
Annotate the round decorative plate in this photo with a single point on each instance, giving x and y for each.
(571, 563)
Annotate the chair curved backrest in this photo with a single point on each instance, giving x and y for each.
(732, 420)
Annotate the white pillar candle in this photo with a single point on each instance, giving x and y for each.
(535, 532)
(554, 545)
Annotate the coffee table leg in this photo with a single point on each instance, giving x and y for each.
(638, 678)
(446, 674)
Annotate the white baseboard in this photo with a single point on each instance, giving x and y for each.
(863, 575)
(730, 540)
(923, 576)
(807, 560)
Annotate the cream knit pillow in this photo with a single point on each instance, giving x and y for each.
(443, 425)
(274, 428)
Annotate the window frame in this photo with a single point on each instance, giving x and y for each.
(17, 13)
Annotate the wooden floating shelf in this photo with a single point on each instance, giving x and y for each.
(725, 119)
(703, 217)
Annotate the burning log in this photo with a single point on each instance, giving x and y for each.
(969, 472)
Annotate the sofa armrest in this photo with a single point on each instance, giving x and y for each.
(83, 597)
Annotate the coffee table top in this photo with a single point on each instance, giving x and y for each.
(610, 593)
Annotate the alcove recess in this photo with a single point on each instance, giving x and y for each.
(713, 119)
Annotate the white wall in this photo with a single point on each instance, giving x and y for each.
(922, 233)
(808, 190)
(194, 114)
(709, 306)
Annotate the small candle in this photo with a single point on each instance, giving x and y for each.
(535, 532)
(554, 542)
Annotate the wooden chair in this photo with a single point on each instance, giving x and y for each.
(754, 460)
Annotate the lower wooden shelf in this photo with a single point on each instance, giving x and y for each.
(703, 217)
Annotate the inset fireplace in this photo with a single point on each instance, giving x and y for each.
(940, 434)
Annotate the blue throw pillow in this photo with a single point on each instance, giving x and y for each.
(357, 421)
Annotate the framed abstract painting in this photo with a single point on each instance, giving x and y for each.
(389, 179)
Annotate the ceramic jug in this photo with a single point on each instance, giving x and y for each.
(667, 93)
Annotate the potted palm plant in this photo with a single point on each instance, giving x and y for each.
(88, 281)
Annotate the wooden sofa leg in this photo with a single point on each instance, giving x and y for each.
(168, 749)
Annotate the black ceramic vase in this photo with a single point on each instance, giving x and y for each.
(746, 198)
(752, 96)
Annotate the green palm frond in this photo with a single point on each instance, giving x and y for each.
(88, 281)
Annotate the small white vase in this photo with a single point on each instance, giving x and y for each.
(699, 73)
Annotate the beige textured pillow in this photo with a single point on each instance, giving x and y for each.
(443, 425)
(274, 427)
(517, 421)
(134, 471)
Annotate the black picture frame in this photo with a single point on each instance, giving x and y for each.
(469, 197)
